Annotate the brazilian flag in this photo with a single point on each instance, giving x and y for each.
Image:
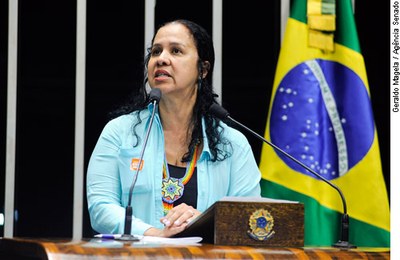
(320, 113)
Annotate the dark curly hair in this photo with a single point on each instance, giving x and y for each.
(205, 97)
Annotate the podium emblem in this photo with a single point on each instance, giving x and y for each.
(261, 225)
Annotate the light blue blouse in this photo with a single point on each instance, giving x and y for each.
(110, 174)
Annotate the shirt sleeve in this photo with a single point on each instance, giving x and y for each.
(245, 174)
(107, 215)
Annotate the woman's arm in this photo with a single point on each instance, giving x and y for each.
(104, 191)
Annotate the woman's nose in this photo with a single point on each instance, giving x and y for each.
(163, 58)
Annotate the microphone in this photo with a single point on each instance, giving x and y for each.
(154, 97)
(343, 242)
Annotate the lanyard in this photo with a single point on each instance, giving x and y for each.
(172, 188)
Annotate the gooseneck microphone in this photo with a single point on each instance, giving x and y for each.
(343, 242)
(154, 97)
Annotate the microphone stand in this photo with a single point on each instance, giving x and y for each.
(343, 242)
(155, 95)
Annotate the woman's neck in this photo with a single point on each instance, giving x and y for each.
(176, 117)
(176, 113)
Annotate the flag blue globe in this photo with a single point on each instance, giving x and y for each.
(322, 116)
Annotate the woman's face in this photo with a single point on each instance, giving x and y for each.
(173, 60)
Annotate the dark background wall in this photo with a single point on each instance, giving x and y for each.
(115, 47)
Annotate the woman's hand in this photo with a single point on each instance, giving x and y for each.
(180, 215)
(166, 232)
(175, 221)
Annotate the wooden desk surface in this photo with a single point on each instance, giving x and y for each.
(22, 248)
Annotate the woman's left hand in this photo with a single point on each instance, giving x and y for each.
(180, 215)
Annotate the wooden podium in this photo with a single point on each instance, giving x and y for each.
(34, 248)
(250, 222)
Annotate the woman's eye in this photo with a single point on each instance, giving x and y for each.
(176, 50)
(155, 52)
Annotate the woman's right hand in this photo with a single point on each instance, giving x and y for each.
(175, 221)
(167, 231)
(180, 215)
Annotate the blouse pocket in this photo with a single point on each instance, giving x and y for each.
(128, 168)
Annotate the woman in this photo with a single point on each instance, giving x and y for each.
(191, 160)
